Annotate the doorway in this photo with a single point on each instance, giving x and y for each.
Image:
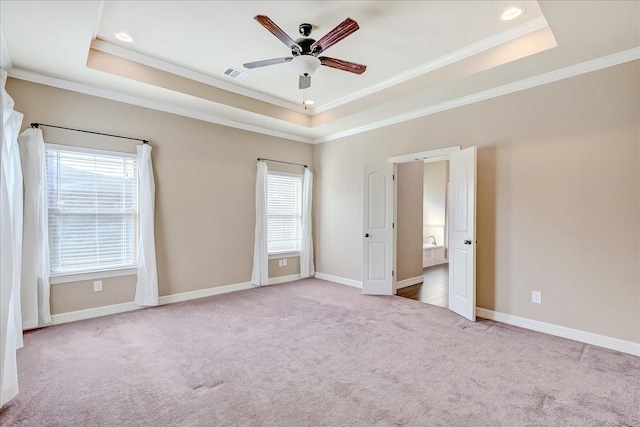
(433, 182)
(380, 251)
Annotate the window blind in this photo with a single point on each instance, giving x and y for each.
(284, 212)
(93, 210)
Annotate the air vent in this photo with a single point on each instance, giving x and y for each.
(236, 74)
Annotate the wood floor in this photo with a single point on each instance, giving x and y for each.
(435, 288)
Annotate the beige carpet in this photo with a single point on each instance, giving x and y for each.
(313, 353)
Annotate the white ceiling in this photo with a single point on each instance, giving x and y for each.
(422, 56)
(393, 37)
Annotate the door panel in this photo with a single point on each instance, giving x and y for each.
(377, 200)
(459, 188)
(377, 261)
(462, 233)
(378, 233)
(460, 267)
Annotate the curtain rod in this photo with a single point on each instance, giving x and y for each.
(37, 125)
(280, 161)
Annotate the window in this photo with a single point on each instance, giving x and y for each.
(284, 212)
(93, 210)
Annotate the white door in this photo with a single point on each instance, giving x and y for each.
(462, 232)
(378, 232)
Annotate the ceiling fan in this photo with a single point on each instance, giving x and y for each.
(305, 51)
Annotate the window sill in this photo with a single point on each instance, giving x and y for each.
(91, 275)
(281, 255)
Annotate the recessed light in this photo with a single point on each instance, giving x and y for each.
(123, 37)
(512, 13)
(309, 102)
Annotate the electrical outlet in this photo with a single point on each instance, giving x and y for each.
(97, 286)
(284, 262)
(536, 296)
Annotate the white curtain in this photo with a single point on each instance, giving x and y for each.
(35, 243)
(147, 286)
(10, 247)
(260, 274)
(307, 268)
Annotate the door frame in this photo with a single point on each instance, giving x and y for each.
(439, 154)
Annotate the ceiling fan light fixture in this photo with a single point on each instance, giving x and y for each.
(123, 37)
(305, 50)
(305, 65)
(512, 13)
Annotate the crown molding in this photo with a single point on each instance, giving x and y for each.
(455, 56)
(450, 58)
(168, 67)
(5, 57)
(146, 103)
(98, 19)
(550, 77)
(539, 80)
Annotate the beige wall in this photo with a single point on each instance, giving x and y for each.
(436, 175)
(292, 267)
(558, 198)
(409, 179)
(205, 189)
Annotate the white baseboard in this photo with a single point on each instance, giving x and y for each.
(561, 331)
(283, 279)
(201, 293)
(410, 281)
(340, 280)
(434, 262)
(358, 284)
(90, 313)
(29, 324)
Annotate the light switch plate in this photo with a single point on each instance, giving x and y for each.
(97, 286)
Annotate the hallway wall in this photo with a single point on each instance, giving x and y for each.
(409, 219)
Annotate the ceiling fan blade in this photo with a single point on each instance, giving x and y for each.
(339, 64)
(266, 22)
(266, 62)
(304, 82)
(345, 28)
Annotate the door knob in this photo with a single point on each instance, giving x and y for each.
(467, 242)
(366, 235)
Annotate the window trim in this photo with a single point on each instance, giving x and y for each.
(298, 175)
(92, 275)
(52, 146)
(283, 254)
(286, 253)
(129, 270)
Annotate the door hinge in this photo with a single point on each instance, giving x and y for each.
(393, 177)
(393, 225)
(392, 273)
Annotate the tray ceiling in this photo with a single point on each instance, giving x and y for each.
(422, 56)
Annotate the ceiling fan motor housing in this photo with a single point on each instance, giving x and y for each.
(305, 46)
